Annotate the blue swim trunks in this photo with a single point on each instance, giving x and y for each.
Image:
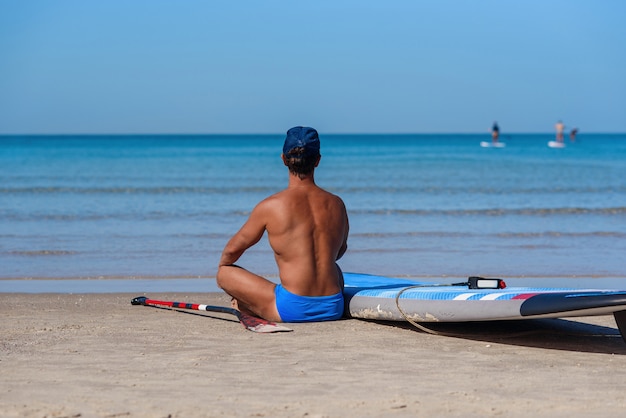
(296, 308)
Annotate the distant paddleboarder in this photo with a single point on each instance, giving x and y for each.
(495, 132)
(495, 135)
(559, 131)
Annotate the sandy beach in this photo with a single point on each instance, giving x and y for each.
(95, 355)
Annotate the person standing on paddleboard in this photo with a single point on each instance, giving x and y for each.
(307, 227)
(495, 132)
(559, 131)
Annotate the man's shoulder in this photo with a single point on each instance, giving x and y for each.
(332, 195)
(288, 194)
(328, 195)
(271, 200)
(275, 201)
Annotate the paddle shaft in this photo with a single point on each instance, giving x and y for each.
(251, 323)
(142, 300)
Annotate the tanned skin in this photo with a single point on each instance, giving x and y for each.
(307, 227)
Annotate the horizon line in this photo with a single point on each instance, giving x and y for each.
(281, 133)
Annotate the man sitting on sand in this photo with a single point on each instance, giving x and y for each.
(307, 228)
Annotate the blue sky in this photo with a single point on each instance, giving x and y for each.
(152, 66)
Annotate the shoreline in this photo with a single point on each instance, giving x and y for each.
(96, 355)
(104, 285)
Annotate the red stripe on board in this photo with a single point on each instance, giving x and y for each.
(525, 295)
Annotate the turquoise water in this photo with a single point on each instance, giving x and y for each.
(131, 207)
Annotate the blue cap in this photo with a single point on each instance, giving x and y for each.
(304, 137)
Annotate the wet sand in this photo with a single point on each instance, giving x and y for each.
(95, 355)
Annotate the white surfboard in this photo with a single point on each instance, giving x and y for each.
(556, 144)
(487, 144)
(395, 299)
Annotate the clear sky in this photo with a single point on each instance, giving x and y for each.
(358, 66)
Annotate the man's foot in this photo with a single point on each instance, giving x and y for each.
(256, 324)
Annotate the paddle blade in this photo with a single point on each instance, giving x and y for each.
(620, 319)
(139, 300)
(254, 324)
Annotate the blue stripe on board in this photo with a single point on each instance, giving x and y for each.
(505, 294)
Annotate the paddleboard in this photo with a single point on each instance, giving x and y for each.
(395, 299)
(486, 144)
(556, 144)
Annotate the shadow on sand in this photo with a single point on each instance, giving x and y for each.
(553, 334)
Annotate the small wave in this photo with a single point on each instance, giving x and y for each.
(411, 234)
(495, 212)
(37, 253)
(161, 190)
(559, 234)
(203, 214)
(446, 190)
(94, 217)
(443, 234)
(473, 190)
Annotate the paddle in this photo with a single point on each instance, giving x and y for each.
(620, 320)
(251, 323)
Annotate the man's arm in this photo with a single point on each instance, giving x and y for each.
(344, 244)
(342, 250)
(249, 234)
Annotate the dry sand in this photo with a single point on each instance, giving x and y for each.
(96, 355)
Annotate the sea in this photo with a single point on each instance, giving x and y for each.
(127, 212)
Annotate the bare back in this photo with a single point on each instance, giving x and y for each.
(307, 228)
